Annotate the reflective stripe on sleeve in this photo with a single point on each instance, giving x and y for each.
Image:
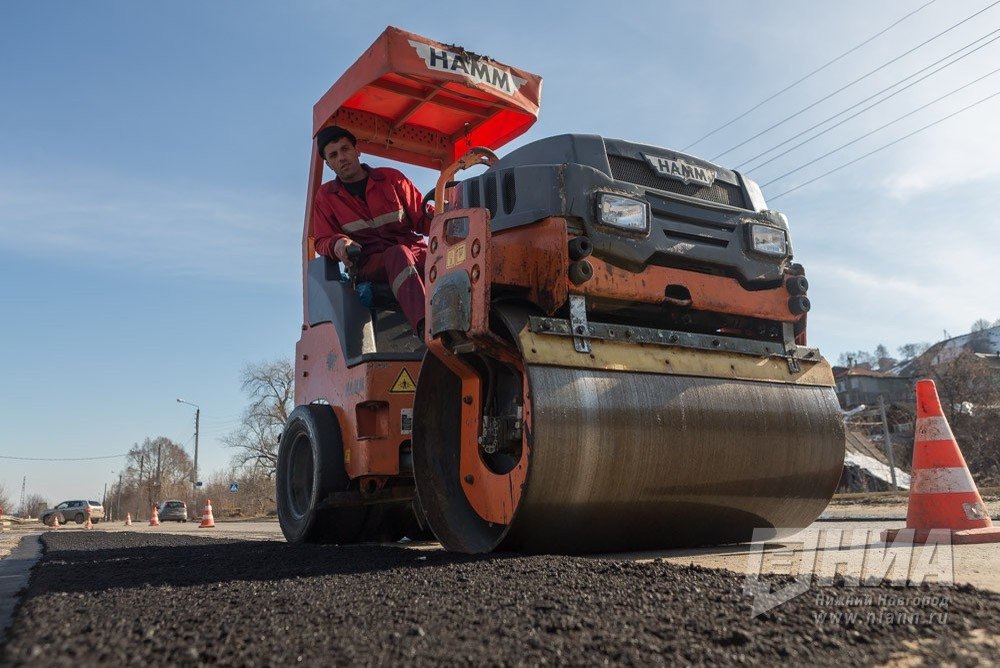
(377, 221)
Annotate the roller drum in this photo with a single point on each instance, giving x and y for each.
(625, 460)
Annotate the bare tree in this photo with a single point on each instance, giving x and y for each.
(254, 496)
(911, 350)
(33, 505)
(5, 500)
(157, 469)
(980, 325)
(270, 386)
(856, 358)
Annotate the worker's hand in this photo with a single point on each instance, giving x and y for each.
(340, 249)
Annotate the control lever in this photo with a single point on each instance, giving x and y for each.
(353, 254)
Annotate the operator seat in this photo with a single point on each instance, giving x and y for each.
(373, 328)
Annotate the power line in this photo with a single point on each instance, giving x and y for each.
(881, 148)
(62, 459)
(868, 134)
(848, 85)
(816, 71)
(871, 106)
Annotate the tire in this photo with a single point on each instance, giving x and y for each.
(310, 466)
(79, 518)
(416, 528)
(93, 521)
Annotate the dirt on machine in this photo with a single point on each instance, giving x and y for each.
(614, 354)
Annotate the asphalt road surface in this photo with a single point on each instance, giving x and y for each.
(151, 598)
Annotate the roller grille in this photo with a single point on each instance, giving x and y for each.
(640, 173)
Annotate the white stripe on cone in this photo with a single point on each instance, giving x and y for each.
(932, 429)
(942, 481)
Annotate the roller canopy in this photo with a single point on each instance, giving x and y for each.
(412, 99)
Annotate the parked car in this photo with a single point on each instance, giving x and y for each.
(75, 511)
(173, 509)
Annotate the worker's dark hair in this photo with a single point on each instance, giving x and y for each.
(332, 133)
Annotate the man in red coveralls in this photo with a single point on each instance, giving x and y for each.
(377, 209)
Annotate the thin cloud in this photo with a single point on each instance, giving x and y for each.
(165, 228)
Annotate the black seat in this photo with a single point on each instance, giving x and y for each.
(377, 329)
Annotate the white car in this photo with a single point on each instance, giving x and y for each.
(75, 511)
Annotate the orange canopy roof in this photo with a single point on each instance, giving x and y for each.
(412, 99)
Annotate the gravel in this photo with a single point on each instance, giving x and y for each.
(126, 598)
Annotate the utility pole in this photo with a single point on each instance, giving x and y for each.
(888, 443)
(24, 483)
(118, 503)
(138, 486)
(159, 470)
(197, 420)
(104, 500)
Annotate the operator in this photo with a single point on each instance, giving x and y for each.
(378, 210)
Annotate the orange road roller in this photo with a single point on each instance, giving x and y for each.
(614, 352)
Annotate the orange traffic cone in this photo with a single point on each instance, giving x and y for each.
(88, 524)
(207, 521)
(55, 521)
(154, 519)
(943, 494)
(128, 519)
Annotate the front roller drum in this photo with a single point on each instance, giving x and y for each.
(621, 460)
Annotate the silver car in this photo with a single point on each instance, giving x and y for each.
(173, 510)
(75, 511)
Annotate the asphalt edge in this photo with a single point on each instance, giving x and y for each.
(15, 573)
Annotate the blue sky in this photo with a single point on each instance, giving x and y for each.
(153, 163)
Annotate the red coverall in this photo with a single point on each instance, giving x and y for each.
(388, 226)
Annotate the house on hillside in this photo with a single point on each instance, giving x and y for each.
(894, 381)
(984, 344)
(860, 385)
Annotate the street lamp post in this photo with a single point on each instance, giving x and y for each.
(197, 418)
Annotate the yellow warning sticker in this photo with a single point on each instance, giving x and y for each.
(404, 384)
(456, 255)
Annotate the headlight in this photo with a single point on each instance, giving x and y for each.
(624, 213)
(767, 239)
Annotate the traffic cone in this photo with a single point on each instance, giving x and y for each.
(128, 519)
(55, 521)
(943, 494)
(88, 524)
(154, 519)
(207, 521)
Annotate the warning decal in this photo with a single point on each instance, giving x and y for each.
(404, 384)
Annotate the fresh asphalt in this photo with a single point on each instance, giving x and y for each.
(128, 598)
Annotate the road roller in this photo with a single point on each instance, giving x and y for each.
(614, 355)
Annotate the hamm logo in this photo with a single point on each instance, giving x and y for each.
(476, 70)
(682, 171)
